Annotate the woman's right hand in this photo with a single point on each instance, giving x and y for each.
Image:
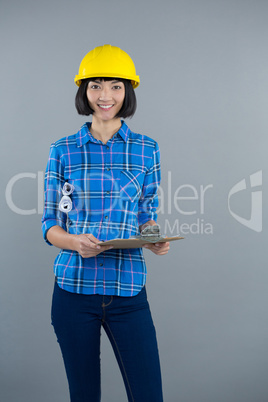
(88, 246)
(85, 244)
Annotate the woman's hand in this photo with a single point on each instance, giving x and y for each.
(88, 246)
(158, 248)
(85, 244)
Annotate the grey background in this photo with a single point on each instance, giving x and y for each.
(203, 97)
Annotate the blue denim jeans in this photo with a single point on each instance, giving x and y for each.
(77, 321)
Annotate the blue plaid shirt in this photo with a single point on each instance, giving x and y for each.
(115, 191)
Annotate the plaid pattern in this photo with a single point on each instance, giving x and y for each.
(115, 191)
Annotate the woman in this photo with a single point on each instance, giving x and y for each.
(100, 184)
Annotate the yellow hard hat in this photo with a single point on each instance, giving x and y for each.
(107, 61)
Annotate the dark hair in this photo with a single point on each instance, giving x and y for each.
(129, 105)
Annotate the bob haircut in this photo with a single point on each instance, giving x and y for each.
(129, 105)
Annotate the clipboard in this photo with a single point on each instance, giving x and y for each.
(137, 242)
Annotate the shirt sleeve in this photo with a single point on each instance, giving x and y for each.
(53, 183)
(148, 202)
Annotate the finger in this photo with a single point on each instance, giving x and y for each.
(163, 244)
(108, 247)
(163, 249)
(92, 238)
(160, 252)
(102, 244)
(147, 245)
(154, 246)
(160, 249)
(102, 248)
(88, 244)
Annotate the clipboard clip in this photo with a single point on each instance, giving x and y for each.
(151, 234)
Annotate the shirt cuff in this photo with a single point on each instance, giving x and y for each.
(145, 217)
(48, 224)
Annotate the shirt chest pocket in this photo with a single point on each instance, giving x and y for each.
(131, 183)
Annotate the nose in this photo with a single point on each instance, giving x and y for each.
(105, 94)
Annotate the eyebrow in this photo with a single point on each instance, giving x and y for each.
(113, 82)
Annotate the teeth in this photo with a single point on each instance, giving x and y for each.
(105, 106)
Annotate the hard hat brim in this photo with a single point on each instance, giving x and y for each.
(135, 81)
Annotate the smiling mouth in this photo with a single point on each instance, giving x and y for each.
(105, 107)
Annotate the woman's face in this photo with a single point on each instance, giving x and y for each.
(105, 98)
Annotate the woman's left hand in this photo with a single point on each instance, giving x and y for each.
(158, 248)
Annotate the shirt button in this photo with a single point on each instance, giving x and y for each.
(107, 192)
(106, 217)
(108, 169)
(107, 147)
(101, 264)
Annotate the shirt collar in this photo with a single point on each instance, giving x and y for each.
(84, 135)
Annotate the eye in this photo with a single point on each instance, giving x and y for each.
(117, 87)
(94, 86)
